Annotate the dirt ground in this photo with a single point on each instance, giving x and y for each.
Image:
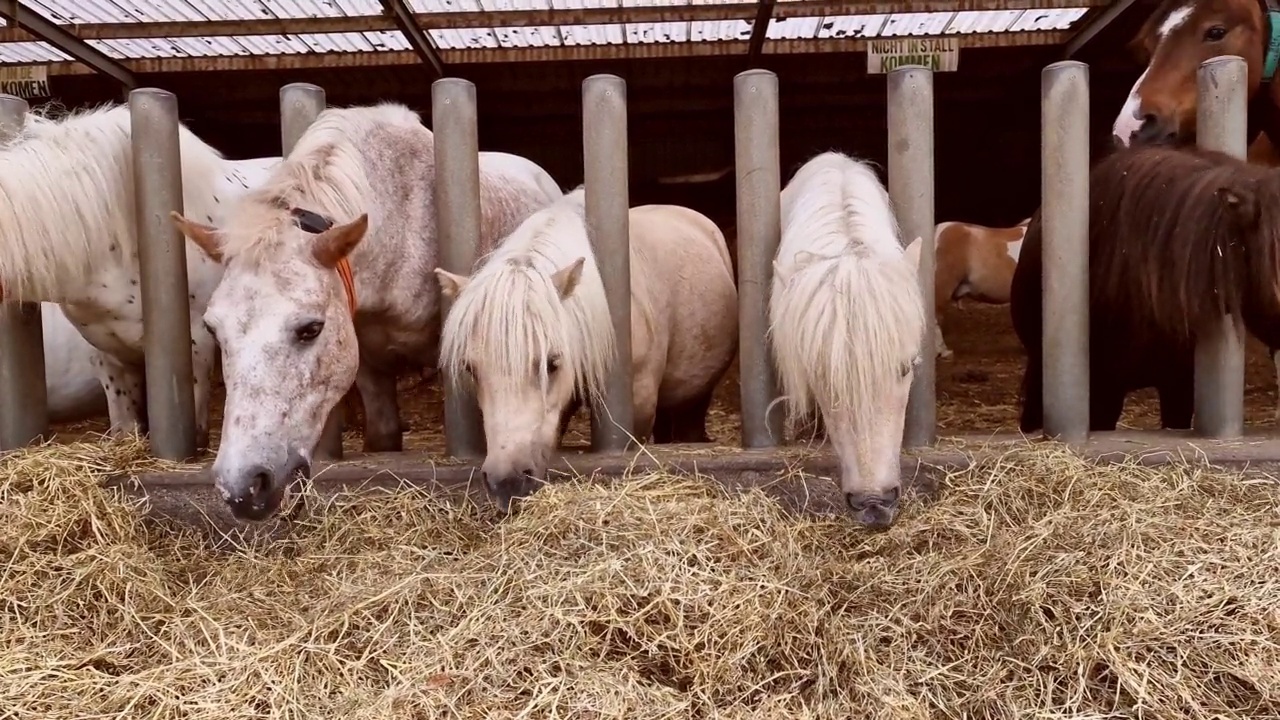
(977, 391)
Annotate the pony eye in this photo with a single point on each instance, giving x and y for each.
(553, 364)
(1215, 33)
(209, 329)
(309, 331)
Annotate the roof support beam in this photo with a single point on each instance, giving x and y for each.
(417, 37)
(54, 34)
(1090, 29)
(528, 18)
(760, 28)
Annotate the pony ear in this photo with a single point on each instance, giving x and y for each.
(334, 244)
(204, 236)
(912, 253)
(451, 285)
(1240, 203)
(778, 273)
(566, 278)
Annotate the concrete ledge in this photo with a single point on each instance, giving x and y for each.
(799, 477)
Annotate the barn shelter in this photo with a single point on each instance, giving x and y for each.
(226, 63)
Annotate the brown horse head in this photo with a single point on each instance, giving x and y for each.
(1174, 41)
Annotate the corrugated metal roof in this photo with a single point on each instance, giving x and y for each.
(75, 12)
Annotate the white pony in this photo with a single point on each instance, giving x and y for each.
(68, 235)
(328, 282)
(72, 388)
(847, 323)
(531, 331)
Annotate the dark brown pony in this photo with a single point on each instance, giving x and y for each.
(1176, 238)
(1179, 36)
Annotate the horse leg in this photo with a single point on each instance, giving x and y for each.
(685, 422)
(566, 416)
(943, 351)
(126, 394)
(1177, 396)
(203, 355)
(1032, 395)
(381, 410)
(1275, 360)
(1106, 404)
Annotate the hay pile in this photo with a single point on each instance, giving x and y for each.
(1039, 586)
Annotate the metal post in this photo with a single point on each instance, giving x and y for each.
(604, 147)
(1222, 116)
(457, 188)
(24, 409)
(759, 184)
(300, 104)
(166, 310)
(911, 189)
(1064, 217)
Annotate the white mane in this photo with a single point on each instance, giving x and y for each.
(324, 173)
(511, 314)
(844, 320)
(67, 200)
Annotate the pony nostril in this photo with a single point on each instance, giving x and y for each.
(259, 484)
(891, 497)
(1149, 119)
(529, 473)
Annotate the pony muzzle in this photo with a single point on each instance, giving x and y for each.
(257, 492)
(504, 487)
(875, 510)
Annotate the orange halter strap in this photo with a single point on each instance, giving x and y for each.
(315, 223)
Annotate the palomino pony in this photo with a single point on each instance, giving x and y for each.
(328, 282)
(531, 331)
(972, 261)
(847, 324)
(68, 235)
(1177, 237)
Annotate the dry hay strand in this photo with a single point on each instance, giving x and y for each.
(1038, 585)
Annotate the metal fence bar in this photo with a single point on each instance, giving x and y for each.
(758, 176)
(166, 310)
(300, 104)
(458, 217)
(911, 187)
(1064, 218)
(604, 146)
(24, 408)
(1222, 116)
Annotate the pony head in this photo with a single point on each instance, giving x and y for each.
(1177, 37)
(283, 317)
(528, 331)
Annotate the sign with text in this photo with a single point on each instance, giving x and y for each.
(937, 54)
(25, 81)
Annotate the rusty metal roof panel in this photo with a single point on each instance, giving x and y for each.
(939, 23)
(30, 52)
(141, 11)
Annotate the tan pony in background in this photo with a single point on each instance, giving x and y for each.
(531, 330)
(972, 261)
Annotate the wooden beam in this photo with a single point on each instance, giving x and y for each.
(533, 18)
(1092, 26)
(760, 28)
(57, 36)
(636, 51)
(418, 40)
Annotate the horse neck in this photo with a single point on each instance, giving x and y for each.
(64, 215)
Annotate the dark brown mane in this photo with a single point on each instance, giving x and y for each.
(1178, 237)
